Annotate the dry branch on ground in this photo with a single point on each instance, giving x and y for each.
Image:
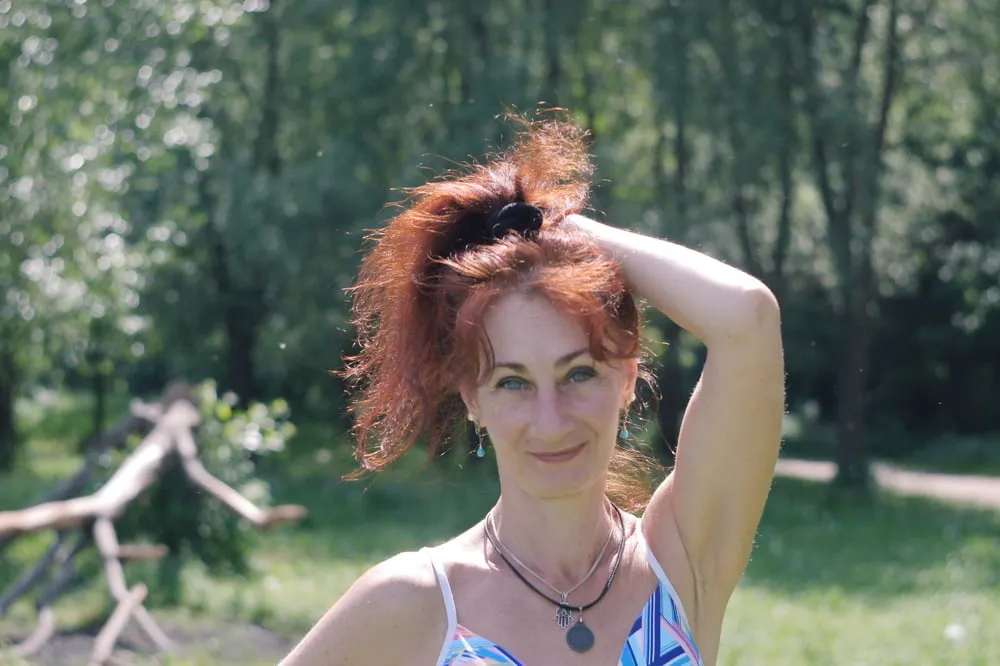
(81, 521)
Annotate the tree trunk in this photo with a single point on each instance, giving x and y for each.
(265, 154)
(852, 450)
(855, 334)
(241, 336)
(241, 311)
(851, 210)
(244, 308)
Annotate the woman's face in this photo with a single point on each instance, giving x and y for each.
(551, 411)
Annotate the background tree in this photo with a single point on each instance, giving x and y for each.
(184, 187)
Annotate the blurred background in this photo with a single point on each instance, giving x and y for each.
(185, 188)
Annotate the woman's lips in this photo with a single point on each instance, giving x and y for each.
(559, 456)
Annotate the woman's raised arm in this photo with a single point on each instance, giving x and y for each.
(731, 432)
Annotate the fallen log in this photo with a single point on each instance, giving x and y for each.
(92, 517)
(140, 418)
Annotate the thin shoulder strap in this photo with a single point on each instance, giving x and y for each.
(661, 575)
(449, 604)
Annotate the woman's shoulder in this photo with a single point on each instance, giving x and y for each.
(462, 551)
(407, 571)
(403, 586)
(413, 572)
(390, 611)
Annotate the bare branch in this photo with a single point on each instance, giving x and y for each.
(807, 74)
(44, 629)
(46, 624)
(150, 413)
(32, 576)
(105, 642)
(890, 75)
(64, 579)
(852, 147)
(136, 473)
(176, 417)
(863, 20)
(142, 552)
(140, 417)
(107, 543)
(260, 518)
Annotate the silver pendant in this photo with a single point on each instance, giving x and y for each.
(580, 638)
(564, 617)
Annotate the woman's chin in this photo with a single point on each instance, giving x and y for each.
(563, 485)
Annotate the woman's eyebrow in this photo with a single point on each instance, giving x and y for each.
(561, 361)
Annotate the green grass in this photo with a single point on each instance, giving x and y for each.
(953, 454)
(885, 583)
(892, 581)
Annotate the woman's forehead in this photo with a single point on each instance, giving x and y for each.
(530, 325)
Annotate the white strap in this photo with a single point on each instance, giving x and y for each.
(449, 604)
(654, 564)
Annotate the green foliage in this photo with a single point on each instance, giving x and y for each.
(184, 187)
(194, 525)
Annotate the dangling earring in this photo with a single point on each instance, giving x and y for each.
(624, 431)
(480, 451)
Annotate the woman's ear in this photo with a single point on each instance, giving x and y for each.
(631, 377)
(468, 394)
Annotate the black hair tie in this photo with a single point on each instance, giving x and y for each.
(524, 218)
(476, 229)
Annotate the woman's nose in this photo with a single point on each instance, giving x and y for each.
(551, 422)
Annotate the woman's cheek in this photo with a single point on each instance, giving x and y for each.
(595, 397)
(507, 411)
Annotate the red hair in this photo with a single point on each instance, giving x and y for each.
(419, 303)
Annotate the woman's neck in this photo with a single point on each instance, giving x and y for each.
(558, 539)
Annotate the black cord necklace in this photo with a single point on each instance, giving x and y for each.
(580, 638)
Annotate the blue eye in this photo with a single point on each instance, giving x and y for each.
(581, 374)
(511, 384)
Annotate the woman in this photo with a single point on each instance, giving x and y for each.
(489, 297)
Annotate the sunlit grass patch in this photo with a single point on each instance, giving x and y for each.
(899, 581)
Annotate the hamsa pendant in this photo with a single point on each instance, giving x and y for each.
(564, 617)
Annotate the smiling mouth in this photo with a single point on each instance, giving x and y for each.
(560, 456)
